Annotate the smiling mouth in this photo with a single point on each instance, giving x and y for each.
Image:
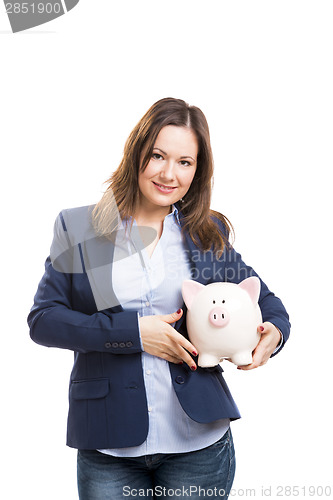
(163, 187)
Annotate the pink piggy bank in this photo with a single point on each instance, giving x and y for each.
(222, 320)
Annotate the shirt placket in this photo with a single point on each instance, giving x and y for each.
(147, 308)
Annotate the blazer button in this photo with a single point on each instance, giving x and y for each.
(180, 379)
(115, 345)
(129, 344)
(122, 344)
(107, 345)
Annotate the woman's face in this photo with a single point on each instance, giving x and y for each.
(171, 169)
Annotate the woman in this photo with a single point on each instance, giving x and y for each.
(146, 420)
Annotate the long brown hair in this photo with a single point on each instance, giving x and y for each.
(122, 193)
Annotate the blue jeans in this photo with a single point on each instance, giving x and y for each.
(198, 474)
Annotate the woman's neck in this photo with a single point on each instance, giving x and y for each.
(147, 215)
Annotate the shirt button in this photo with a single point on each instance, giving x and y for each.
(129, 344)
(147, 303)
(115, 345)
(149, 408)
(107, 345)
(180, 379)
(148, 372)
(122, 344)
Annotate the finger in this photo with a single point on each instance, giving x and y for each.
(258, 355)
(178, 338)
(182, 342)
(251, 366)
(177, 355)
(265, 328)
(186, 358)
(177, 351)
(265, 348)
(171, 318)
(259, 358)
(172, 359)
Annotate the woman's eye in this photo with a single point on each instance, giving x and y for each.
(185, 163)
(157, 156)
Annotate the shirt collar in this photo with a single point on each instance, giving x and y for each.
(174, 212)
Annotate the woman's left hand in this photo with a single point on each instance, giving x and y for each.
(270, 338)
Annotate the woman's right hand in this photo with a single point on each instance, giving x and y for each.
(160, 339)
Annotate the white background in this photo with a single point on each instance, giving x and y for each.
(70, 93)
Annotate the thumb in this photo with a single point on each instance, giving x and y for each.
(171, 318)
(261, 328)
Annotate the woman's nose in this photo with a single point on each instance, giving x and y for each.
(168, 170)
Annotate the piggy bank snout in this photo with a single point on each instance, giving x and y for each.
(219, 316)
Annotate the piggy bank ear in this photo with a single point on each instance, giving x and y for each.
(189, 290)
(252, 287)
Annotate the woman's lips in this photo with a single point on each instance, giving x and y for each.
(164, 189)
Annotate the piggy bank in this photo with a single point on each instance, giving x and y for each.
(222, 320)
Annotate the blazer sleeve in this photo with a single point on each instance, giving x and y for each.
(54, 323)
(272, 308)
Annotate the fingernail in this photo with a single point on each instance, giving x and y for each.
(181, 363)
(261, 328)
(195, 353)
(179, 311)
(193, 368)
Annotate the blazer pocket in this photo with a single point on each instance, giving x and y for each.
(89, 389)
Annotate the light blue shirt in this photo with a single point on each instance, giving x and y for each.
(154, 287)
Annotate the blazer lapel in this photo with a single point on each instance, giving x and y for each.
(201, 268)
(201, 262)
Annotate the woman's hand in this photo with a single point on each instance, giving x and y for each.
(270, 338)
(160, 339)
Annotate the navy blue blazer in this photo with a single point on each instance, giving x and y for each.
(107, 398)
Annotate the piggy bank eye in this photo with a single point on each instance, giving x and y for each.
(223, 301)
(213, 301)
